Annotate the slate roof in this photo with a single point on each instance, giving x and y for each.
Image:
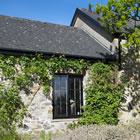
(24, 35)
(92, 19)
(94, 16)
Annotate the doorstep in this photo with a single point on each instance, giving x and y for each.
(65, 120)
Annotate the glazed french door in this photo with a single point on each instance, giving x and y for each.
(67, 96)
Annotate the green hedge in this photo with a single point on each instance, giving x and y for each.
(103, 96)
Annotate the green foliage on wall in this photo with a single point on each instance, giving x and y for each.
(103, 96)
(117, 16)
(11, 111)
(20, 73)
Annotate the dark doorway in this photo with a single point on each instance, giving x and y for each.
(67, 96)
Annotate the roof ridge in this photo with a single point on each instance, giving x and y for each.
(33, 20)
(98, 41)
(33, 36)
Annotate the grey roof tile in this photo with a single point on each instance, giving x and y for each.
(92, 20)
(34, 36)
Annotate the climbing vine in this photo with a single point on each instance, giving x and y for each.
(20, 73)
(103, 95)
(24, 71)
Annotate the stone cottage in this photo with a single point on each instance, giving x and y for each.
(85, 39)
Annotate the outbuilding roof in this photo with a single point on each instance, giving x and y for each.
(22, 35)
(94, 18)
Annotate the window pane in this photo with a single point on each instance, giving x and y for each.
(67, 96)
(63, 83)
(72, 102)
(75, 92)
(71, 94)
(57, 83)
(63, 104)
(71, 83)
(78, 103)
(77, 83)
(60, 96)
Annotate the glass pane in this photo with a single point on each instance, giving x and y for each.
(60, 96)
(57, 83)
(71, 94)
(63, 104)
(56, 103)
(78, 102)
(72, 102)
(75, 92)
(77, 83)
(63, 83)
(67, 96)
(71, 83)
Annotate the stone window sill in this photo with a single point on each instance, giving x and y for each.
(65, 120)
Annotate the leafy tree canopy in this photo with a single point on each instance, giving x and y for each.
(116, 15)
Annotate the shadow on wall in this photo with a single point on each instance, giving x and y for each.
(131, 76)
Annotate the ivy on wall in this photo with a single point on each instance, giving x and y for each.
(20, 73)
(23, 71)
(103, 96)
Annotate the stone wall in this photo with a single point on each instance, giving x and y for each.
(40, 112)
(130, 73)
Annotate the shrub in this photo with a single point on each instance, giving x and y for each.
(11, 111)
(130, 131)
(103, 96)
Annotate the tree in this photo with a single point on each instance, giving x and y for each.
(117, 13)
(116, 17)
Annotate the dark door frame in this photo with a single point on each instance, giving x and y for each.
(81, 103)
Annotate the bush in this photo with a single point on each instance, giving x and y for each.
(103, 96)
(11, 112)
(129, 131)
(8, 134)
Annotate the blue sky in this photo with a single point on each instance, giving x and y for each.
(54, 11)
